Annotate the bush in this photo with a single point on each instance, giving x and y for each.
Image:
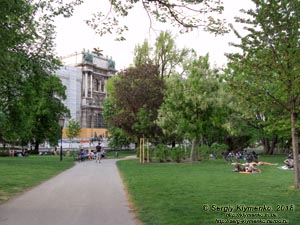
(218, 148)
(162, 153)
(177, 154)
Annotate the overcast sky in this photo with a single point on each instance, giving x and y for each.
(73, 35)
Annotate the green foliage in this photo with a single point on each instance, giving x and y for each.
(133, 104)
(164, 54)
(142, 54)
(177, 154)
(192, 106)
(30, 96)
(118, 139)
(73, 128)
(162, 153)
(216, 147)
(266, 72)
(204, 151)
(167, 56)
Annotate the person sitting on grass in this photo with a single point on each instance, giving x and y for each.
(289, 162)
(252, 169)
(239, 167)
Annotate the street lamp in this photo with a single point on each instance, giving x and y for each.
(61, 124)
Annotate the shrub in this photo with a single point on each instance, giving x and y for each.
(217, 148)
(177, 154)
(162, 153)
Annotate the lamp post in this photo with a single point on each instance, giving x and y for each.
(61, 124)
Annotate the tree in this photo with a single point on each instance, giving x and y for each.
(192, 106)
(134, 100)
(73, 128)
(184, 14)
(45, 109)
(30, 95)
(266, 73)
(165, 54)
(142, 54)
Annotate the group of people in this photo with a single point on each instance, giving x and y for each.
(23, 153)
(97, 155)
(231, 156)
(252, 161)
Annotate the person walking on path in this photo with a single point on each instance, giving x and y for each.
(79, 196)
(98, 153)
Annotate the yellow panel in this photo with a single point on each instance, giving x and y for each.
(89, 132)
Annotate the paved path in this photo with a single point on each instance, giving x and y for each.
(87, 194)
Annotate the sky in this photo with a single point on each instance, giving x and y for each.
(73, 35)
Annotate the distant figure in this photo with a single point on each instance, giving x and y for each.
(255, 156)
(239, 167)
(11, 153)
(252, 169)
(289, 162)
(83, 155)
(98, 153)
(54, 151)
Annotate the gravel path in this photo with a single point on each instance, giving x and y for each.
(88, 194)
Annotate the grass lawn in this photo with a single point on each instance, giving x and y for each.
(20, 173)
(202, 193)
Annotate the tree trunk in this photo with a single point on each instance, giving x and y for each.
(265, 142)
(269, 144)
(273, 144)
(295, 149)
(36, 148)
(193, 151)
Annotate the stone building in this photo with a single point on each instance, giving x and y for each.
(85, 75)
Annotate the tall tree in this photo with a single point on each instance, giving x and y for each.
(192, 105)
(167, 56)
(27, 64)
(164, 54)
(266, 72)
(136, 96)
(142, 54)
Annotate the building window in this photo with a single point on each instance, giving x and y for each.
(97, 85)
(102, 86)
(99, 121)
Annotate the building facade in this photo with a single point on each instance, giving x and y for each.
(85, 76)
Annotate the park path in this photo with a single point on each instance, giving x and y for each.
(89, 193)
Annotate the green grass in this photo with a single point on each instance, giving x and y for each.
(174, 194)
(21, 173)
